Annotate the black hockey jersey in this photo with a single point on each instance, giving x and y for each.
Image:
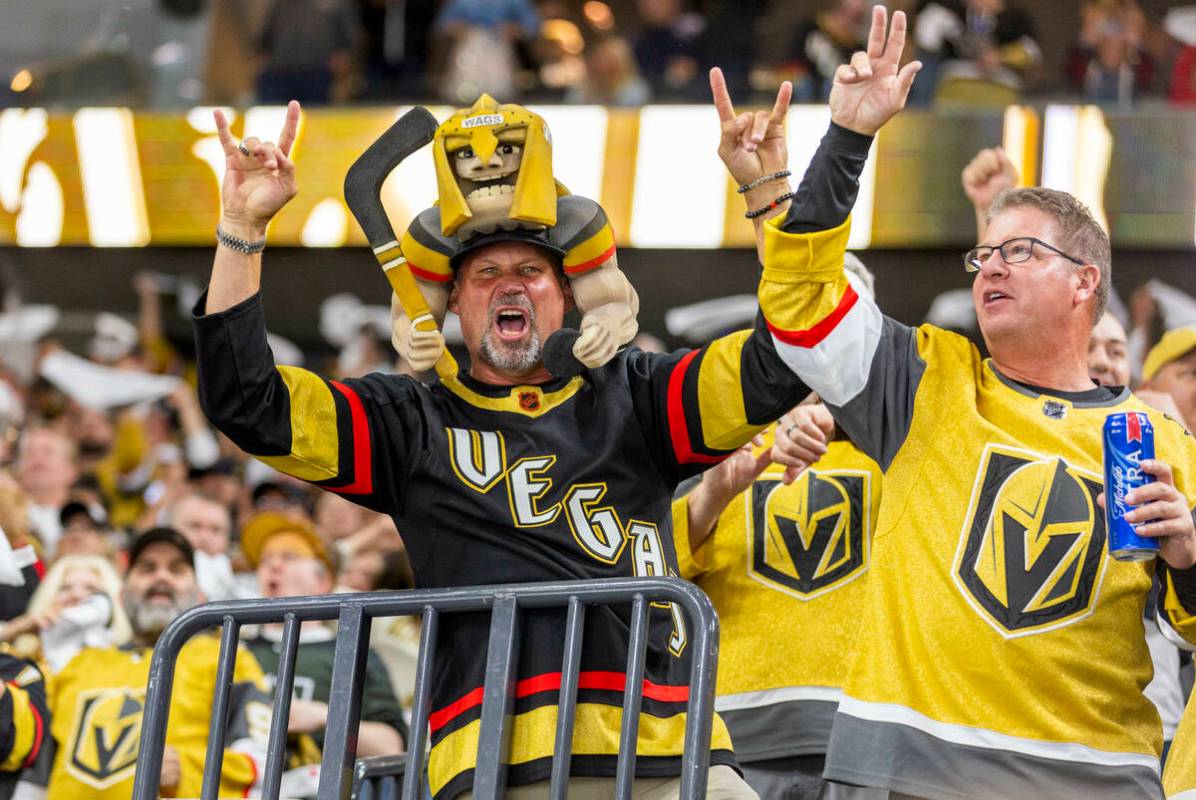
(567, 480)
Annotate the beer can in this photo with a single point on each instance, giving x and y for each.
(1128, 440)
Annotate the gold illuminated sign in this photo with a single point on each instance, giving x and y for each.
(110, 177)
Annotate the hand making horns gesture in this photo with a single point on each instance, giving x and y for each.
(871, 89)
(259, 177)
(752, 144)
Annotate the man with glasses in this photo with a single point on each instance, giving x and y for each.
(1001, 652)
(987, 175)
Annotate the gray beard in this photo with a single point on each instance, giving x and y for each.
(517, 358)
(149, 620)
(520, 357)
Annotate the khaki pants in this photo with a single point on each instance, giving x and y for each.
(724, 783)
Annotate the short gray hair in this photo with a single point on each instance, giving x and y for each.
(1080, 234)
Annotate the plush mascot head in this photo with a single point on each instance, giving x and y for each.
(494, 169)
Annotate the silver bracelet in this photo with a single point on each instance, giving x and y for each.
(239, 244)
(763, 179)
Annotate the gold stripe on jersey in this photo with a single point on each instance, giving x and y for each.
(589, 254)
(724, 420)
(803, 279)
(425, 262)
(25, 726)
(315, 446)
(530, 401)
(595, 732)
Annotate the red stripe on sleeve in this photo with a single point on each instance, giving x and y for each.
(249, 787)
(586, 266)
(551, 682)
(678, 427)
(423, 274)
(363, 462)
(39, 734)
(812, 336)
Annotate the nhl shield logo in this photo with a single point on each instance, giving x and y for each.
(103, 745)
(1031, 555)
(529, 401)
(810, 537)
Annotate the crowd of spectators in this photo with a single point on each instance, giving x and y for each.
(610, 52)
(974, 51)
(86, 472)
(119, 513)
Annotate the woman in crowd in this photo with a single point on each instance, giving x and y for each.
(77, 605)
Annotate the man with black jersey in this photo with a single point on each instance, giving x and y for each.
(502, 474)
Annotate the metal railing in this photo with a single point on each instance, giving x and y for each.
(354, 613)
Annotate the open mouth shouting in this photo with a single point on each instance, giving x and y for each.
(511, 322)
(511, 341)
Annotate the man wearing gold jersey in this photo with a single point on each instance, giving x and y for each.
(1002, 653)
(782, 550)
(98, 698)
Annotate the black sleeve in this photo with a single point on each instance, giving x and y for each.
(24, 714)
(828, 189)
(357, 438)
(703, 404)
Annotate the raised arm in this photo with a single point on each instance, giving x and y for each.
(989, 173)
(339, 435)
(259, 179)
(863, 365)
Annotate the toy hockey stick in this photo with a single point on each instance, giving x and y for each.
(363, 194)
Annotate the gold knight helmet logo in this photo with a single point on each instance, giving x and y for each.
(812, 536)
(103, 746)
(1032, 553)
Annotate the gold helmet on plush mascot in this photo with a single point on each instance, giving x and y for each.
(483, 127)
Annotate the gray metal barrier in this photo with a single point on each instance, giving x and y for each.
(355, 611)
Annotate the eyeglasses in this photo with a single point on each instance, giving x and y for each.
(1013, 251)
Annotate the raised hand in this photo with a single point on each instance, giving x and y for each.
(872, 88)
(989, 173)
(259, 177)
(751, 144)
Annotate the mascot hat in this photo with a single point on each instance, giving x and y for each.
(482, 127)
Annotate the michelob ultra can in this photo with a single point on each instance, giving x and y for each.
(1129, 439)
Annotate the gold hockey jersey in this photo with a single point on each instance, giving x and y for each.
(1002, 652)
(786, 567)
(97, 701)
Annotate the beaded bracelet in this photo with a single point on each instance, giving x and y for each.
(765, 209)
(763, 179)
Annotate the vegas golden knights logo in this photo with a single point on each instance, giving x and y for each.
(1031, 556)
(812, 536)
(103, 746)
